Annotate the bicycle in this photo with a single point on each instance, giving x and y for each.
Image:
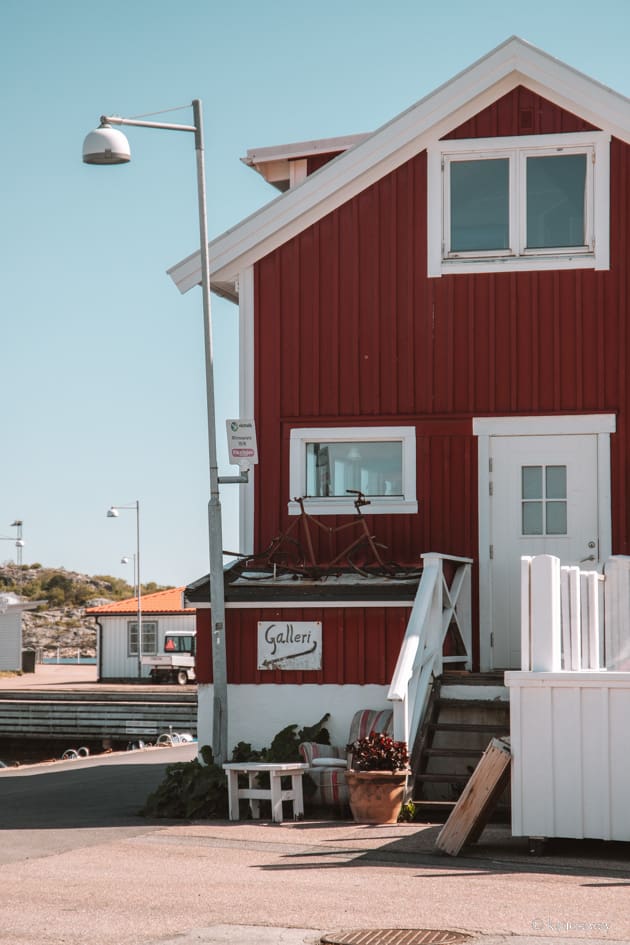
(287, 555)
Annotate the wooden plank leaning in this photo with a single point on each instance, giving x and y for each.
(478, 799)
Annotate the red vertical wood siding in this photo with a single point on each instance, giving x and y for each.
(350, 331)
(360, 645)
(520, 112)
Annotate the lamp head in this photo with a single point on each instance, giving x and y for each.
(112, 512)
(124, 559)
(106, 145)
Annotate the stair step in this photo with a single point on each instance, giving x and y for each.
(501, 704)
(432, 812)
(454, 752)
(438, 812)
(444, 778)
(469, 727)
(466, 678)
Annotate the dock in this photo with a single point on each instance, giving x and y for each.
(66, 703)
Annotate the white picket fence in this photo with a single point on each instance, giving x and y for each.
(572, 619)
(570, 703)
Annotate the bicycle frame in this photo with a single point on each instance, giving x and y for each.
(304, 560)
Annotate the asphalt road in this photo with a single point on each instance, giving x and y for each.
(78, 865)
(46, 809)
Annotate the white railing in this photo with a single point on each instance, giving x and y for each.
(438, 605)
(562, 617)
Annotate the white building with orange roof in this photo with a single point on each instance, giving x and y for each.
(163, 613)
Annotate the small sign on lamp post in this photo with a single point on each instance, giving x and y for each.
(242, 447)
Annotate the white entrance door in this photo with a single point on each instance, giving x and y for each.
(544, 500)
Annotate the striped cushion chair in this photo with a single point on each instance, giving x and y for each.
(328, 763)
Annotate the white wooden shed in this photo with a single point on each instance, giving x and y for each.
(117, 646)
(11, 609)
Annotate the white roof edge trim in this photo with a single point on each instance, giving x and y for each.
(300, 149)
(514, 61)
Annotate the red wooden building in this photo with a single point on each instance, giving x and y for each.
(435, 314)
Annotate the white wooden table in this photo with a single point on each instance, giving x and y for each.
(274, 793)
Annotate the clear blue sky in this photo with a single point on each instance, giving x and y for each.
(101, 358)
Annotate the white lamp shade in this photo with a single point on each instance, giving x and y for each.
(106, 145)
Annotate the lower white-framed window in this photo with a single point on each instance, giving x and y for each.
(328, 464)
(526, 202)
(149, 637)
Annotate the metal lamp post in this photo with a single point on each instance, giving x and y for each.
(107, 145)
(19, 544)
(125, 560)
(113, 512)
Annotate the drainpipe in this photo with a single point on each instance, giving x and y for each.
(99, 649)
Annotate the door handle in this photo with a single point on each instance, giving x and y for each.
(590, 558)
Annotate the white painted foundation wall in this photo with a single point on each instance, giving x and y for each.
(257, 713)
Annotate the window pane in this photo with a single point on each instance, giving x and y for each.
(556, 518)
(532, 482)
(556, 482)
(480, 214)
(149, 638)
(532, 518)
(372, 467)
(555, 200)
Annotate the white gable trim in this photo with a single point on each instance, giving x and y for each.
(246, 400)
(509, 65)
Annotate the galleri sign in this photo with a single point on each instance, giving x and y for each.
(296, 644)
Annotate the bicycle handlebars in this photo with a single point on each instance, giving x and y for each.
(359, 501)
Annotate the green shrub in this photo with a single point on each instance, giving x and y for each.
(198, 790)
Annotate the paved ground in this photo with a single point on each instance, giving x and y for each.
(78, 864)
(50, 676)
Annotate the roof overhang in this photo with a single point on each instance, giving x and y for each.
(274, 163)
(264, 589)
(511, 64)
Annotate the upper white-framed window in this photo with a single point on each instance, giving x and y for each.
(326, 462)
(526, 202)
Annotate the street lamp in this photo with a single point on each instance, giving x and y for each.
(19, 544)
(113, 512)
(107, 145)
(125, 560)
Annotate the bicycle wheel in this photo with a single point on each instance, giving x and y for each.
(362, 559)
(287, 555)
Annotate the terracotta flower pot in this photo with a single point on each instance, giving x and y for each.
(376, 796)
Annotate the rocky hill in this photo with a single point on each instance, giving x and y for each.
(60, 622)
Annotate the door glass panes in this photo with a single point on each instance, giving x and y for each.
(544, 500)
(374, 468)
(532, 482)
(480, 210)
(556, 186)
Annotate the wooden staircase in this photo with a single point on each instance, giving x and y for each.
(465, 711)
